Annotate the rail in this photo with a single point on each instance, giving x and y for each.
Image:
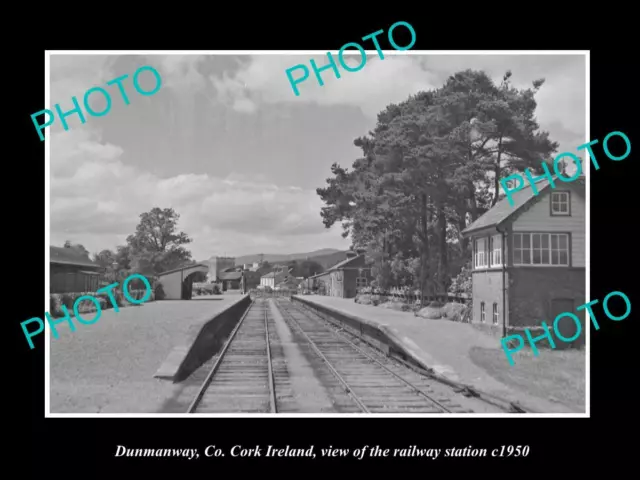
(223, 356)
(340, 378)
(370, 358)
(257, 293)
(272, 386)
(466, 390)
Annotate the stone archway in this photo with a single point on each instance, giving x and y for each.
(177, 284)
(189, 278)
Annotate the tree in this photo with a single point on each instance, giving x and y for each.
(105, 258)
(76, 246)
(157, 246)
(123, 257)
(494, 126)
(433, 162)
(304, 268)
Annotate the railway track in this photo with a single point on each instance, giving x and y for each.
(256, 373)
(241, 379)
(374, 385)
(482, 401)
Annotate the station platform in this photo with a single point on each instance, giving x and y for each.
(443, 346)
(112, 366)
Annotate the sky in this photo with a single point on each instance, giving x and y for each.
(227, 144)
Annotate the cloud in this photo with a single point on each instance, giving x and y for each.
(180, 71)
(99, 188)
(380, 82)
(71, 76)
(96, 200)
(262, 80)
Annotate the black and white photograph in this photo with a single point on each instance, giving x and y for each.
(231, 236)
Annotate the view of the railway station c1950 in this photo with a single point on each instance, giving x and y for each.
(346, 251)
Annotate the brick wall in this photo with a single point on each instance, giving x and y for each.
(350, 283)
(532, 291)
(487, 288)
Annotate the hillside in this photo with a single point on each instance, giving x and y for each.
(330, 259)
(319, 255)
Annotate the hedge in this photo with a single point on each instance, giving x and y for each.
(56, 300)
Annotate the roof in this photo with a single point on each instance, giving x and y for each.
(230, 275)
(70, 256)
(320, 274)
(317, 275)
(344, 263)
(272, 274)
(185, 267)
(503, 210)
(288, 281)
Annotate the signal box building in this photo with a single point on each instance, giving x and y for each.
(529, 260)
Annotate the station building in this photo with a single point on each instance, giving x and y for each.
(217, 265)
(177, 284)
(71, 270)
(343, 279)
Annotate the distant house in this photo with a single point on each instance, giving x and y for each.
(230, 280)
(251, 279)
(71, 270)
(271, 279)
(289, 283)
(343, 279)
(529, 259)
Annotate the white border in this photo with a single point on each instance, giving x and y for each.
(47, 190)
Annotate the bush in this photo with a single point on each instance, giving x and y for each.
(364, 299)
(117, 295)
(159, 292)
(462, 283)
(396, 305)
(430, 313)
(140, 294)
(57, 300)
(378, 299)
(365, 290)
(67, 300)
(455, 311)
(86, 305)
